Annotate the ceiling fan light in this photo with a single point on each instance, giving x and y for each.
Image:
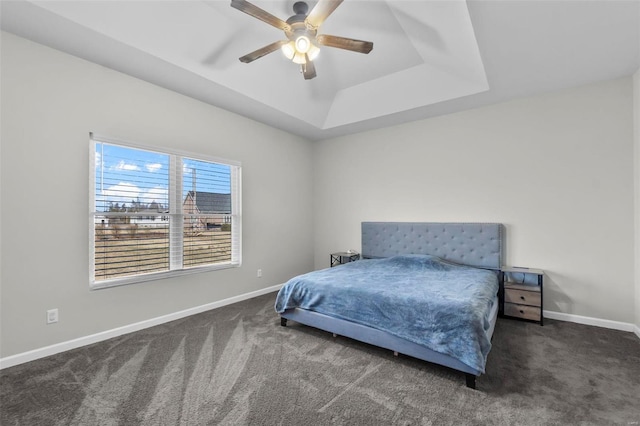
(313, 52)
(303, 44)
(299, 58)
(289, 50)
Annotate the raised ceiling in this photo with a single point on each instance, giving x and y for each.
(429, 57)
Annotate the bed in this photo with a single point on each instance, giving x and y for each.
(426, 290)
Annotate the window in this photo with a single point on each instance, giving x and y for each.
(159, 213)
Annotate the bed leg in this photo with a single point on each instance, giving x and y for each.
(283, 321)
(395, 353)
(471, 380)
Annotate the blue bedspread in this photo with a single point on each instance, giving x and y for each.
(423, 299)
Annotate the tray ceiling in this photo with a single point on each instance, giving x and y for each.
(429, 57)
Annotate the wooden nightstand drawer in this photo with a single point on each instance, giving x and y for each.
(521, 293)
(522, 311)
(522, 297)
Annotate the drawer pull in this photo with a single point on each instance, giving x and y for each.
(521, 311)
(522, 297)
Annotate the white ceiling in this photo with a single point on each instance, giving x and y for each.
(429, 57)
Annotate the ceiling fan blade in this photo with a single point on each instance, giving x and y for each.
(308, 69)
(261, 14)
(345, 43)
(321, 11)
(257, 54)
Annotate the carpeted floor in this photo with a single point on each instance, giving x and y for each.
(236, 365)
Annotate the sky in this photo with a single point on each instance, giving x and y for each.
(127, 175)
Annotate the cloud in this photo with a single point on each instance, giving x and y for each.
(158, 194)
(125, 166)
(98, 159)
(153, 167)
(123, 192)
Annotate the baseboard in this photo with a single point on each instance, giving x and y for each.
(636, 330)
(32, 355)
(615, 325)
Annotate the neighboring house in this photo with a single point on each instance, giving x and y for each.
(216, 207)
(151, 216)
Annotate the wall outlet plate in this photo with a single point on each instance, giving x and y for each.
(52, 316)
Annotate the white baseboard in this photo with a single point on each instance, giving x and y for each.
(636, 330)
(615, 325)
(32, 355)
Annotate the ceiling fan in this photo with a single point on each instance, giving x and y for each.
(301, 30)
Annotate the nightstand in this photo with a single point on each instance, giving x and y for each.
(521, 293)
(343, 257)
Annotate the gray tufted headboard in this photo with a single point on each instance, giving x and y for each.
(473, 244)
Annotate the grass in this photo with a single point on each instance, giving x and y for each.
(129, 251)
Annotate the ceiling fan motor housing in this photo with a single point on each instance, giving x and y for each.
(300, 8)
(297, 23)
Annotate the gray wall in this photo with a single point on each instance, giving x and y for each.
(50, 103)
(636, 121)
(557, 169)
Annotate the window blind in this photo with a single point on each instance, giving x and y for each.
(155, 212)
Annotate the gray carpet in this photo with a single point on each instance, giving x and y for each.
(236, 365)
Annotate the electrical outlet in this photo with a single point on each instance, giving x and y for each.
(52, 316)
(259, 274)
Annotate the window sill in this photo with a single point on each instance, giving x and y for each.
(116, 282)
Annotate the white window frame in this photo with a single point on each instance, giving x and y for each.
(176, 214)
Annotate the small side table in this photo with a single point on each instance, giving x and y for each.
(343, 257)
(521, 292)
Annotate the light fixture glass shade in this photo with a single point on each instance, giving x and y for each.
(289, 50)
(303, 44)
(299, 58)
(296, 50)
(313, 52)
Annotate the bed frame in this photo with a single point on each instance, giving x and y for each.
(473, 244)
